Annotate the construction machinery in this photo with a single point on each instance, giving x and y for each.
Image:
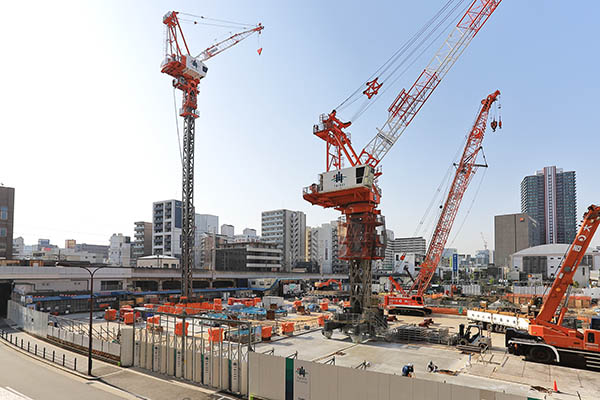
(473, 338)
(547, 340)
(328, 283)
(187, 71)
(411, 301)
(354, 190)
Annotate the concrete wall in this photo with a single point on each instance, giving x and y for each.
(272, 376)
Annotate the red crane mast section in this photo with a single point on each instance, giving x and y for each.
(465, 170)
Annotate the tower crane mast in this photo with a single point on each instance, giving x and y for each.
(187, 71)
(354, 190)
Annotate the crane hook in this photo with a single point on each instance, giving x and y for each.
(494, 124)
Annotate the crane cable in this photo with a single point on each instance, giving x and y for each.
(396, 57)
(387, 64)
(177, 125)
(368, 104)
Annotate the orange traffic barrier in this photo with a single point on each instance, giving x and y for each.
(179, 328)
(215, 335)
(128, 318)
(297, 303)
(324, 306)
(257, 301)
(110, 314)
(218, 301)
(321, 320)
(287, 328)
(266, 332)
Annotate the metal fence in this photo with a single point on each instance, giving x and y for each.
(40, 351)
(106, 331)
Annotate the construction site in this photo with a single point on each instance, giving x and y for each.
(364, 334)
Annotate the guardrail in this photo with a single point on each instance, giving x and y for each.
(39, 351)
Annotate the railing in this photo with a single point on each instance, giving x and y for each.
(40, 351)
(110, 333)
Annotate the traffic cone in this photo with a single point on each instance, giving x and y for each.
(555, 387)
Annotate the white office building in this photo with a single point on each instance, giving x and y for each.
(286, 229)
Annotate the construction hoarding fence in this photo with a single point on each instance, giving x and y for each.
(212, 352)
(279, 378)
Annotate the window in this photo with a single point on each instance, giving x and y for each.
(2, 232)
(590, 337)
(4, 212)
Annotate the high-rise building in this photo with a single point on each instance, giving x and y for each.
(7, 210)
(550, 197)
(207, 223)
(513, 232)
(287, 229)
(228, 230)
(166, 228)
(142, 245)
(119, 250)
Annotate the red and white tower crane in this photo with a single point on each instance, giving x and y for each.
(354, 191)
(411, 301)
(187, 71)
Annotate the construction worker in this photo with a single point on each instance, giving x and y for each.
(431, 367)
(408, 370)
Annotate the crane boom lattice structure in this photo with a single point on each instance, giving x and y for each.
(465, 170)
(411, 300)
(354, 190)
(187, 71)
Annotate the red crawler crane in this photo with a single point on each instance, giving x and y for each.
(411, 301)
(354, 191)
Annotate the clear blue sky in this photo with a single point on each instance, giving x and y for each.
(88, 129)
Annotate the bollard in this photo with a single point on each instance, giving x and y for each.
(36, 349)
(21, 343)
(75, 364)
(63, 360)
(44, 353)
(28, 346)
(53, 354)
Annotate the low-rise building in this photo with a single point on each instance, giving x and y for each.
(158, 261)
(546, 260)
(250, 256)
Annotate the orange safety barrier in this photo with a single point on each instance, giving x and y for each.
(110, 314)
(179, 328)
(149, 305)
(326, 316)
(297, 303)
(248, 303)
(324, 306)
(128, 318)
(266, 332)
(287, 328)
(257, 301)
(218, 301)
(321, 320)
(218, 307)
(215, 335)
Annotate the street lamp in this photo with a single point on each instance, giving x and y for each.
(91, 311)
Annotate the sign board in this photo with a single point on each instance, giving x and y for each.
(454, 262)
(302, 377)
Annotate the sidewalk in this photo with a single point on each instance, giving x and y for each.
(132, 381)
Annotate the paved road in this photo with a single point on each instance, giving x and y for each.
(22, 377)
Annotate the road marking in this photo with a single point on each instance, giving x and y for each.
(12, 394)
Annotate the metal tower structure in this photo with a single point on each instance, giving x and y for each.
(354, 190)
(187, 71)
